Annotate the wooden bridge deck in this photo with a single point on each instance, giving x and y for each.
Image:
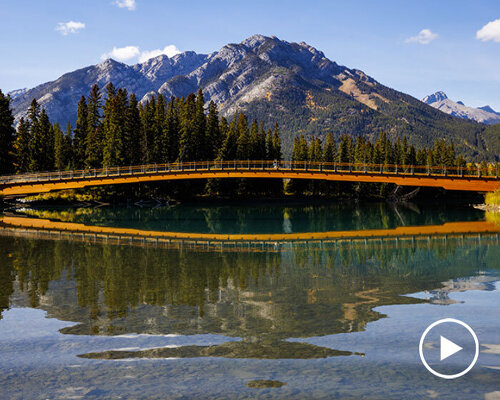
(447, 178)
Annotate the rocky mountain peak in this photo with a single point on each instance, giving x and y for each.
(488, 109)
(271, 80)
(484, 114)
(434, 98)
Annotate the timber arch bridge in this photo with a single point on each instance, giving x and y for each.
(450, 178)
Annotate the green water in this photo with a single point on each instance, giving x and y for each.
(95, 320)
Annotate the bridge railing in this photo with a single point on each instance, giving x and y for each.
(472, 171)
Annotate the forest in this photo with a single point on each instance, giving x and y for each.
(114, 129)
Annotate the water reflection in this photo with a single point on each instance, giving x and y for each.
(261, 297)
(262, 217)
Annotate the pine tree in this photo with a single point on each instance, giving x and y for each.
(344, 150)
(276, 143)
(269, 145)
(315, 152)
(22, 147)
(171, 132)
(330, 149)
(94, 140)
(213, 136)
(68, 147)
(200, 129)
(59, 160)
(229, 147)
(95, 147)
(80, 133)
(48, 142)
(262, 143)
(243, 142)
(114, 126)
(158, 130)
(132, 143)
(7, 132)
(42, 140)
(187, 141)
(147, 113)
(405, 153)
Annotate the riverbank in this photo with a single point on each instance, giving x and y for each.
(491, 202)
(488, 207)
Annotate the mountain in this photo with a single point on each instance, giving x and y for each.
(488, 109)
(484, 114)
(272, 80)
(60, 97)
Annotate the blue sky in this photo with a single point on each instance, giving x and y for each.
(373, 36)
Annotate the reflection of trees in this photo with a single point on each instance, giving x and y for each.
(6, 275)
(260, 218)
(304, 292)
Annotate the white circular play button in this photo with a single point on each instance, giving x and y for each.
(458, 348)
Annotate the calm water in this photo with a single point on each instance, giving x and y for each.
(343, 320)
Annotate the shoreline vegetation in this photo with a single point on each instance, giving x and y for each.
(491, 204)
(114, 129)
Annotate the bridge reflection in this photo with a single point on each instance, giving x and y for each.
(49, 229)
(290, 288)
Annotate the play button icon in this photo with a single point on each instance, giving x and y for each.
(458, 348)
(448, 348)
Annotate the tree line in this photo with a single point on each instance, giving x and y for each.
(116, 130)
(359, 150)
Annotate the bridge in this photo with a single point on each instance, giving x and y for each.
(450, 178)
(41, 228)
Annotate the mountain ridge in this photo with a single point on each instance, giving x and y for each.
(272, 80)
(440, 101)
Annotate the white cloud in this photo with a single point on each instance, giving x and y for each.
(425, 36)
(130, 52)
(69, 27)
(122, 53)
(491, 31)
(170, 51)
(128, 4)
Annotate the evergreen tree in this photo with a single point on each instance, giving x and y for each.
(40, 139)
(22, 147)
(269, 145)
(94, 139)
(230, 144)
(132, 141)
(59, 159)
(158, 130)
(80, 133)
(330, 149)
(344, 149)
(213, 136)
(115, 109)
(7, 132)
(200, 129)
(95, 148)
(276, 144)
(243, 142)
(171, 132)
(187, 142)
(147, 113)
(68, 147)
(46, 157)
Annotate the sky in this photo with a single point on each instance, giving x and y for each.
(418, 47)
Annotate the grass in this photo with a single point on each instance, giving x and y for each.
(493, 217)
(493, 199)
(64, 196)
